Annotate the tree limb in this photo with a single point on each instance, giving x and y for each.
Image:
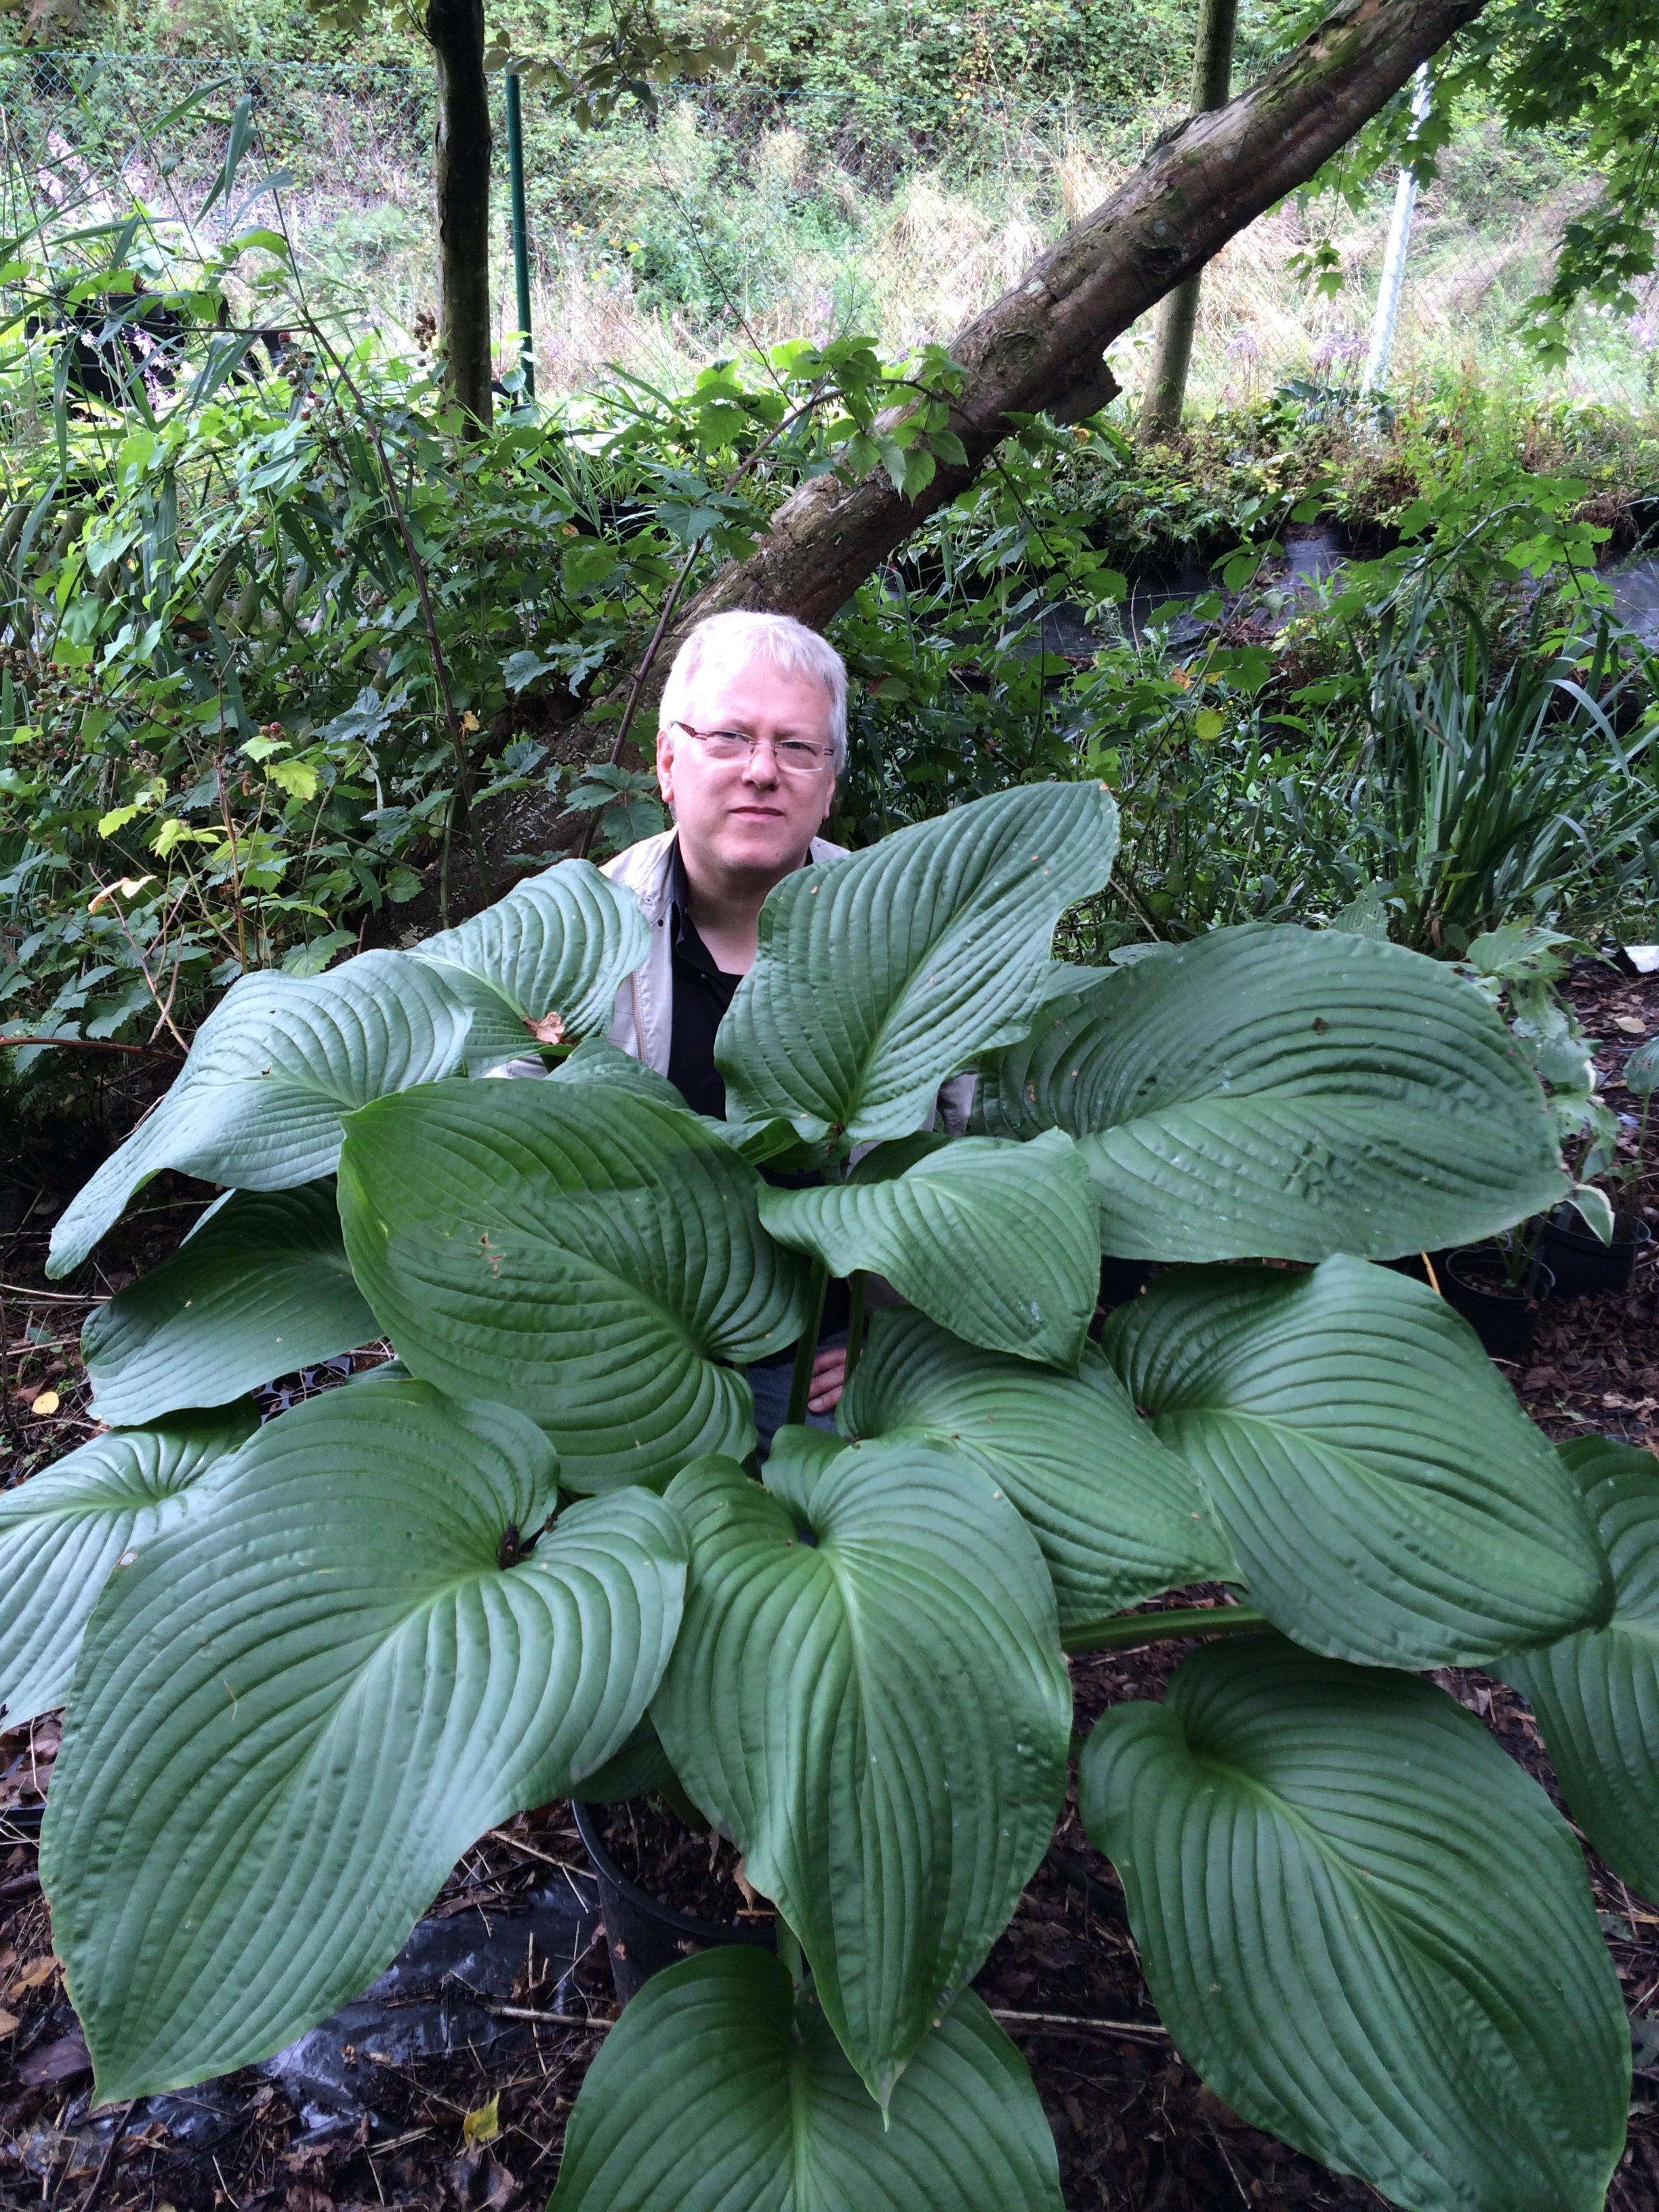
(1039, 346)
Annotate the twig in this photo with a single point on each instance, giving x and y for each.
(499, 1836)
(1142, 2029)
(56, 1297)
(558, 2019)
(108, 2160)
(95, 1044)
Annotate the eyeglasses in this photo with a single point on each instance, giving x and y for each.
(794, 755)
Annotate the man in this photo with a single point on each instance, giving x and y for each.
(751, 735)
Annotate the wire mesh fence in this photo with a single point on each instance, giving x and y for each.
(745, 214)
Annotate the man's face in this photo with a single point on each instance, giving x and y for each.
(747, 817)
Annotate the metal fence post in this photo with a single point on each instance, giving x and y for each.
(520, 232)
(1392, 281)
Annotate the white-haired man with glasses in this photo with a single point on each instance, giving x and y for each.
(752, 733)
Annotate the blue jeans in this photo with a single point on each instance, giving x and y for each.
(770, 1385)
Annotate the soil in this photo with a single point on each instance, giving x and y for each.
(1136, 2131)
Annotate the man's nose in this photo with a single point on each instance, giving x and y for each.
(761, 766)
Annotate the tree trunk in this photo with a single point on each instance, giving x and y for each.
(1213, 74)
(455, 29)
(1039, 346)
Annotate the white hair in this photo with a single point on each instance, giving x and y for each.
(727, 643)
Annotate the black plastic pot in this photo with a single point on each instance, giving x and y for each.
(1504, 1316)
(643, 1936)
(1581, 1263)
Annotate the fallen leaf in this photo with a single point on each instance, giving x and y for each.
(482, 2125)
(59, 2062)
(36, 1972)
(8, 2023)
(47, 1402)
(8, 1960)
(549, 1031)
(1632, 1025)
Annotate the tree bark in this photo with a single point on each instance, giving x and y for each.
(455, 30)
(1166, 391)
(1039, 347)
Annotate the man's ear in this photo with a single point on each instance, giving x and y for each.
(665, 766)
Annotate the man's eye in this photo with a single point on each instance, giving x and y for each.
(792, 748)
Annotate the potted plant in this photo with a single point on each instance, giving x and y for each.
(306, 1667)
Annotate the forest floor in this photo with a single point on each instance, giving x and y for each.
(450, 2087)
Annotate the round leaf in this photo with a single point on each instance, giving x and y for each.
(64, 1529)
(260, 1287)
(1367, 1929)
(868, 1694)
(296, 1708)
(1001, 1242)
(1286, 1092)
(1596, 1694)
(720, 2091)
(1119, 1516)
(879, 974)
(585, 1255)
(1386, 1497)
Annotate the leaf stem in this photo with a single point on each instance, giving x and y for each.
(806, 1350)
(1126, 1631)
(854, 1321)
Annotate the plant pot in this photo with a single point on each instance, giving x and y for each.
(1504, 1317)
(1581, 1263)
(643, 1936)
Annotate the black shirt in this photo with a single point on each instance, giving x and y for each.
(702, 992)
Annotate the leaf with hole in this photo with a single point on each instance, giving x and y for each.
(551, 955)
(1001, 1242)
(880, 975)
(582, 1253)
(1387, 1499)
(1367, 1929)
(297, 1707)
(260, 1287)
(1119, 1516)
(1287, 1092)
(722, 2090)
(64, 1529)
(868, 1695)
(1596, 1694)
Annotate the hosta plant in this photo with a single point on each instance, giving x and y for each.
(307, 1664)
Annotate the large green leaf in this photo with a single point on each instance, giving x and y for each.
(1596, 1694)
(879, 974)
(1387, 1499)
(557, 947)
(720, 2090)
(272, 1069)
(281, 1059)
(259, 1286)
(1285, 1092)
(297, 1707)
(1367, 1929)
(583, 1253)
(999, 1242)
(1119, 1516)
(868, 1695)
(64, 1529)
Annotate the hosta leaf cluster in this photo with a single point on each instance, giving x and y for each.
(306, 1667)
